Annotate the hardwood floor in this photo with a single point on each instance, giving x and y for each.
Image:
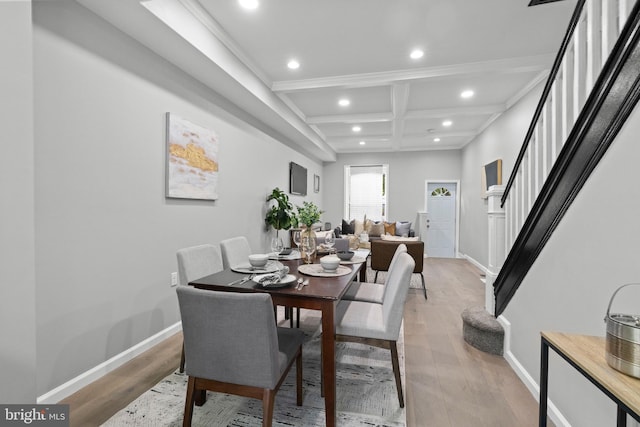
(448, 383)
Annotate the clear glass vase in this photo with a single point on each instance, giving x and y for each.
(308, 245)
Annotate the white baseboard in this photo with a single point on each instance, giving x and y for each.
(534, 388)
(86, 378)
(474, 262)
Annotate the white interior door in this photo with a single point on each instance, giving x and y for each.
(441, 206)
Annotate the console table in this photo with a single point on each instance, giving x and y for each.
(587, 355)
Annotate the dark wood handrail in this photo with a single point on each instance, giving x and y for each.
(575, 18)
(613, 98)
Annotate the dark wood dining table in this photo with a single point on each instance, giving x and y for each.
(321, 293)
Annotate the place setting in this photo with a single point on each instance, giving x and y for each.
(329, 267)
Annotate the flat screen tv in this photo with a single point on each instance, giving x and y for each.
(297, 179)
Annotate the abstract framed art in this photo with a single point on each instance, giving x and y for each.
(192, 160)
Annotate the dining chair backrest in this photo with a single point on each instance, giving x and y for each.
(230, 337)
(402, 248)
(396, 293)
(235, 251)
(198, 261)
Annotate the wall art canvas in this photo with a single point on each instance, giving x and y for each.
(491, 175)
(192, 160)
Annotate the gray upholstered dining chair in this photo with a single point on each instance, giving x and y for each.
(379, 324)
(233, 346)
(195, 262)
(372, 292)
(235, 251)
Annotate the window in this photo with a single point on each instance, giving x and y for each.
(440, 192)
(366, 192)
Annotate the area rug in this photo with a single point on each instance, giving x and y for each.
(366, 393)
(416, 281)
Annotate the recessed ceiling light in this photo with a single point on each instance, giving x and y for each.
(466, 94)
(344, 102)
(447, 123)
(249, 4)
(293, 64)
(356, 128)
(362, 143)
(416, 54)
(436, 139)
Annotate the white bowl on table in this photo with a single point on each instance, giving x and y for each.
(258, 260)
(330, 263)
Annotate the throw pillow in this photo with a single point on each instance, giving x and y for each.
(347, 227)
(358, 229)
(377, 229)
(403, 228)
(390, 228)
(399, 238)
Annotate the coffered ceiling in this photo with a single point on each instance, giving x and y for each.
(357, 50)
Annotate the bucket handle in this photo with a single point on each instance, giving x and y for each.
(613, 296)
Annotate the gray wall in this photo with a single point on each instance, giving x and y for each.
(17, 298)
(106, 236)
(501, 140)
(592, 252)
(408, 172)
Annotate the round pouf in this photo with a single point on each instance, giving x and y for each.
(481, 330)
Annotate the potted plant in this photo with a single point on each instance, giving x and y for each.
(308, 214)
(280, 216)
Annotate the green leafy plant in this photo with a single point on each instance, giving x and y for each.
(280, 216)
(309, 214)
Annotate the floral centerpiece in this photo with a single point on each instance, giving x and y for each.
(308, 214)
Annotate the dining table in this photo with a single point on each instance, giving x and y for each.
(321, 293)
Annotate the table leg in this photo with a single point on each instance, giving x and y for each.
(329, 361)
(544, 382)
(622, 417)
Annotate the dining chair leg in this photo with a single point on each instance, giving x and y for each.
(188, 404)
(268, 398)
(375, 278)
(299, 379)
(298, 319)
(182, 359)
(396, 371)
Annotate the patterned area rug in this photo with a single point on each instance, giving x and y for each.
(366, 393)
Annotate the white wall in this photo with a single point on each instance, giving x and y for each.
(592, 252)
(501, 140)
(17, 298)
(408, 172)
(106, 236)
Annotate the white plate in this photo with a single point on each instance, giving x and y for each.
(270, 267)
(286, 281)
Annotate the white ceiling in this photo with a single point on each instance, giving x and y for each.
(358, 49)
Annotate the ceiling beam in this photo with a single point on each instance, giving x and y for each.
(503, 66)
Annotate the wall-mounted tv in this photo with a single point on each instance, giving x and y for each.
(297, 179)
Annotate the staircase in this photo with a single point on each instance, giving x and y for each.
(592, 88)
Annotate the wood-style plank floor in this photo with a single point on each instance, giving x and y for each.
(448, 382)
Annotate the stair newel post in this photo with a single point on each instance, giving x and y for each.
(497, 242)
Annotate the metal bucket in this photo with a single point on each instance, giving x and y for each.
(623, 339)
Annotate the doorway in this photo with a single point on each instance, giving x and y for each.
(442, 207)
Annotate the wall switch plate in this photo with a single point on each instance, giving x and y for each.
(174, 279)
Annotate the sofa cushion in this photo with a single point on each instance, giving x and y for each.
(377, 229)
(390, 228)
(403, 228)
(348, 227)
